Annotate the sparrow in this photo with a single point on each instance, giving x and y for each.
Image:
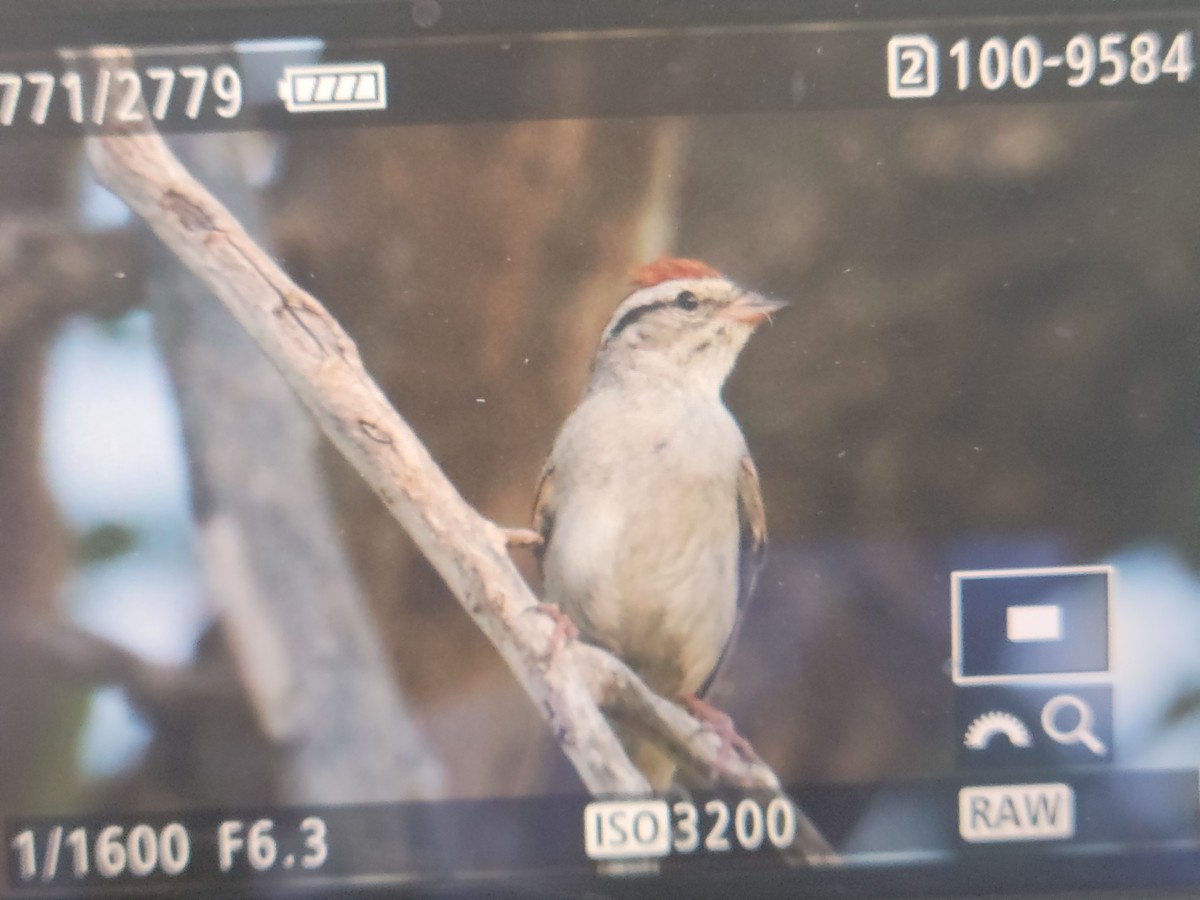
(649, 507)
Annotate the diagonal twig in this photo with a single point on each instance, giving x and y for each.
(321, 363)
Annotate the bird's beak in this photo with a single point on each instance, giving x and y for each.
(753, 309)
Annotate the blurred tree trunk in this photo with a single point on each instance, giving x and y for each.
(323, 697)
(48, 271)
(33, 553)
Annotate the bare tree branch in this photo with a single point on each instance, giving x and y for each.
(294, 618)
(321, 363)
(64, 649)
(49, 271)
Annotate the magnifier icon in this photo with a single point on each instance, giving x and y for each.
(1081, 733)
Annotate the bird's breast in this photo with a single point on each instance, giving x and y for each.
(645, 547)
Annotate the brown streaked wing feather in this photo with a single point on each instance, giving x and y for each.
(544, 508)
(754, 536)
(752, 556)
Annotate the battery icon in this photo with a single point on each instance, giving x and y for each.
(334, 87)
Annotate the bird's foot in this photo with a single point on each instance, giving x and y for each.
(521, 537)
(721, 725)
(564, 632)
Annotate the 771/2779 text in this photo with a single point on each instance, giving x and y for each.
(121, 96)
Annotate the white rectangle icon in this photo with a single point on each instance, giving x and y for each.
(1016, 812)
(627, 829)
(1042, 622)
(334, 87)
(961, 577)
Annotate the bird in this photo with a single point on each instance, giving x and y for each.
(649, 507)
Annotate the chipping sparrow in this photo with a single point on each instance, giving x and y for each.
(638, 505)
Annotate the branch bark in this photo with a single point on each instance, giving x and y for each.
(571, 686)
(295, 620)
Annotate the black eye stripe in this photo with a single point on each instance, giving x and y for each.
(684, 300)
(634, 314)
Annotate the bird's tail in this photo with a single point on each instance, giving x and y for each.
(656, 764)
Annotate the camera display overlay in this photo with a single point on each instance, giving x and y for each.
(840, 381)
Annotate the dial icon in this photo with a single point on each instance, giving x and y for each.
(981, 732)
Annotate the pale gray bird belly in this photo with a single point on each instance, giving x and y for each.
(649, 570)
(677, 600)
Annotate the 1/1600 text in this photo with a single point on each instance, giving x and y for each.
(113, 851)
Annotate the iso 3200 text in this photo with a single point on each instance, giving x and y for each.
(631, 829)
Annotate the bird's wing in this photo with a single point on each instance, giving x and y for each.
(754, 528)
(545, 505)
(752, 553)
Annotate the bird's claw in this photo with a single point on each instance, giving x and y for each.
(521, 537)
(722, 725)
(564, 632)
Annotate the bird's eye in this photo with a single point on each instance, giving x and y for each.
(686, 300)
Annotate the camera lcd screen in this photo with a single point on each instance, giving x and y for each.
(971, 656)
